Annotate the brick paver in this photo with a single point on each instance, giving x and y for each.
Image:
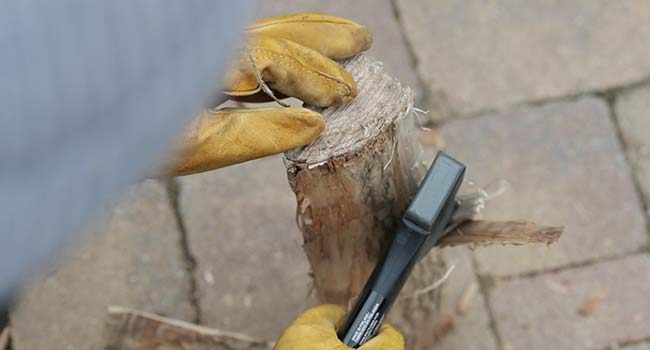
(388, 45)
(475, 320)
(632, 108)
(490, 54)
(134, 260)
(566, 167)
(640, 346)
(252, 272)
(543, 312)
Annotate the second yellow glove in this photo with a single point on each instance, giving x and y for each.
(316, 330)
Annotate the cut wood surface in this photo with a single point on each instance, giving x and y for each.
(128, 329)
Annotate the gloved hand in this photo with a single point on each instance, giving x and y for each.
(291, 55)
(316, 330)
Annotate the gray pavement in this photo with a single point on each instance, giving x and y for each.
(483, 55)
(474, 319)
(132, 259)
(544, 312)
(639, 346)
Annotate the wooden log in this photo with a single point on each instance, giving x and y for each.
(128, 329)
(352, 187)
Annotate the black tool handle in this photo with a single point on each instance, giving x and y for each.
(422, 226)
(382, 288)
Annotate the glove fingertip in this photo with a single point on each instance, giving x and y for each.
(362, 38)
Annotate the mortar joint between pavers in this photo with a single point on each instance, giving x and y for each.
(425, 92)
(611, 92)
(606, 94)
(622, 345)
(485, 286)
(611, 100)
(189, 260)
(491, 279)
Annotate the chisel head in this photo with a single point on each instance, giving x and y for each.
(435, 200)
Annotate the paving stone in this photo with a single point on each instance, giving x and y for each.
(632, 109)
(481, 55)
(471, 330)
(565, 167)
(133, 259)
(252, 274)
(640, 346)
(542, 312)
(388, 46)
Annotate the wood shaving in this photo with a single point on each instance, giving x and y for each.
(444, 326)
(469, 293)
(432, 137)
(589, 306)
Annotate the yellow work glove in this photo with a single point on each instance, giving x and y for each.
(316, 330)
(291, 55)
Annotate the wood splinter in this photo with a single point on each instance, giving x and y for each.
(485, 232)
